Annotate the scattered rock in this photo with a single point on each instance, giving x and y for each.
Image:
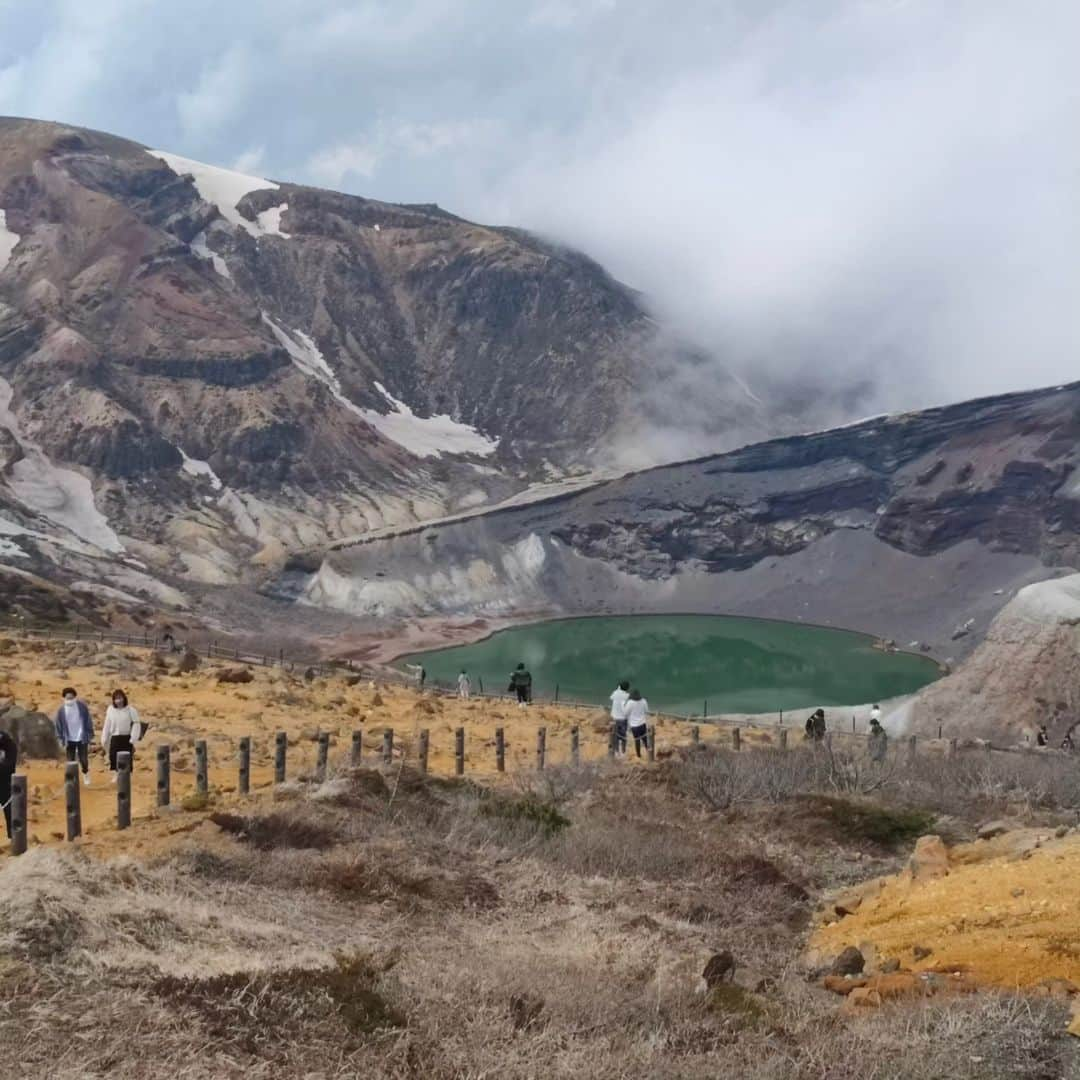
(187, 663)
(235, 675)
(848, 906)
(888, 967)
(526, 1010)
(377, 700)
(930, 859)
(849, 962)
(720, 968)
(862, 998)
(33, 732)
(844, 984)
(1061, 830)
(992, 829)
(921, 952)
(1016, 893)
(353, 680)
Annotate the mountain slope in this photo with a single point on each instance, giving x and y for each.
(914, 527)
(200, 368)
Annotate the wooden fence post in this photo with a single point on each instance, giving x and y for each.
(459, 752)
(500, 750)
(952, 747)
(736, 739)
(281, 748)
(695, 734)
(357, 752)
(244, 780)
(423, 751)
(388, 746)
(852, 723)
(123, 790)
(911, 748)
(18, 814)
(575, 746)
(650, 742)
(783, 738)
(71, 799)
(541, 748)
(705, 711)
(201, 783)
(163, 777)
(322, 756)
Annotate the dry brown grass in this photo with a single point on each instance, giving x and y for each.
(443, 934)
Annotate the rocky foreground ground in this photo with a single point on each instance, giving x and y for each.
(757, 914)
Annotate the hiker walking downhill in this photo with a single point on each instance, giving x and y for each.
(619, 697)
(121, 731)
(521, 684)
(879, 741)
(9, 759)
(1043, 736)
(75, 730)
(464, 685)
(637, 717)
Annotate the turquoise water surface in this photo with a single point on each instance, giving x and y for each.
(680, 661)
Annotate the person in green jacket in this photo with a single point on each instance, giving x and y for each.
(521, 684)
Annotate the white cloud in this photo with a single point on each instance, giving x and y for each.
(332, 166)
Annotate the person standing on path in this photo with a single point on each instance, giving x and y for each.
(464, 685)
(75, 730)
(637, 716)
(9, 759)
(419, 673)
(521, 684)
(619, 697)
(121, 731)
(879, 741)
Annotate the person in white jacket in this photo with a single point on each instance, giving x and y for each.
(637, 716)
(122, 729)
(619, 697)
(464, 685)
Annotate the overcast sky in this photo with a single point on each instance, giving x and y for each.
(881, 195)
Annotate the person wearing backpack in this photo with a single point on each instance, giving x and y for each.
(122, 730)
(521, 684)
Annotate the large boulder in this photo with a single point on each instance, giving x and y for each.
(930, 859)
(33, 732)
(235, 675)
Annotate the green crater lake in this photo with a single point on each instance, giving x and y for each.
(678, 661)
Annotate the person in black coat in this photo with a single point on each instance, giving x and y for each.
(9, 758)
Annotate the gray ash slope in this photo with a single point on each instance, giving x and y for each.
(917, 527)
(241, 366)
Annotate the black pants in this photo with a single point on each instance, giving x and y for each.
(79, 750)
(522, 695)
(620, 736)
(120, 744)
(5, 798)
(641, 738)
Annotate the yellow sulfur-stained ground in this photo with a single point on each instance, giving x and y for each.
(182, 709)
(1010, 919)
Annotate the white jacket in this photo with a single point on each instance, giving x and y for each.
(123, 721)
(619, 699)
(637, 713)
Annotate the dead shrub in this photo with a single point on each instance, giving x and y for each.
(270, 831)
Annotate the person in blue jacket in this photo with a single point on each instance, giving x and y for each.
(75, 730)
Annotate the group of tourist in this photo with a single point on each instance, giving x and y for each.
(816, 730)
(629, 713)
(74, 726)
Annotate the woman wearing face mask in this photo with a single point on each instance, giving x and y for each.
(121, 731)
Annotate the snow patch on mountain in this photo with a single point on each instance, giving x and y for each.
(194, 467)
(10, 550)
(199, 247)
(428, 436)
(225, 188)
(8, 241)
(424, 437)
(61, 496)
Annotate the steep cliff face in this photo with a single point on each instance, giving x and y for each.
(238, 366)
(910, 526)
